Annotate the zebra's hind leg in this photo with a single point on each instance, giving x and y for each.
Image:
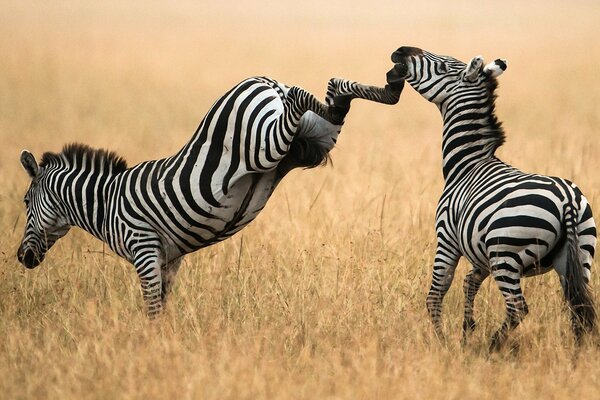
(304, 133)
(471, 286)
(148, 266)
(299, 101)
(339, 87)
(508, 278)
(443, 274)
(168, 274)
(340, 93)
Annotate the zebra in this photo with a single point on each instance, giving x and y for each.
(505, 222)
(158, 211)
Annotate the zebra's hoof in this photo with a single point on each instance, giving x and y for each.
(496, 342)
(340, 108)
(342, 100)
(395, 87)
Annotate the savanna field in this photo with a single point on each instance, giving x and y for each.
(323, 296)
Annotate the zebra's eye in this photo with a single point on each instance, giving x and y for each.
(26, 201)
(442, 68)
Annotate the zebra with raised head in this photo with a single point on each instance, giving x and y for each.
(156, 212)
(505, 222)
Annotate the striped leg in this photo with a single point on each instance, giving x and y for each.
(148, 266)
(443, 273)
(298, 101)
(310, 147)
(586, 234)
(277, 136)
(507, 274)
(471, 286)
(168, 273)
(355, 90)
(339, 94)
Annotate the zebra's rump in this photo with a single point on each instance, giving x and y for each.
(514, 214)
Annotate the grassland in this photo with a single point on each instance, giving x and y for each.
(323, 295)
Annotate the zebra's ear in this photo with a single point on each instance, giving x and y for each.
(29, 163)
(495, 68)
(474, 68)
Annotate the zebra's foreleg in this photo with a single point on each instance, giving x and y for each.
(168, 274)
(471, 286)
(508, 278)
(148, 267)
(443, 274)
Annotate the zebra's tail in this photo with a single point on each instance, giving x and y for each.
(304, 152)
(577, 293)
(307, 152)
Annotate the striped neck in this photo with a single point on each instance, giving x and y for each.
(471, 130)
(81, 197)
(78, 179)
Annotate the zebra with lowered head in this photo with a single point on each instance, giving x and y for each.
(505, 222)
(156, 212)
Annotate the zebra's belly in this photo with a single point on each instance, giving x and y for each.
(244, 200)
(249, 196)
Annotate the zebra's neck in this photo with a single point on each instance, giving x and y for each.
(471, 132)
(82, 195)
(78, 179)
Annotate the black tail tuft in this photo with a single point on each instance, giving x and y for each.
(306, 152)
(577, 292)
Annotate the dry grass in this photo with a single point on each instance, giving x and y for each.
(323, 295)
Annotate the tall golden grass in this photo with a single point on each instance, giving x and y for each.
(323, 295)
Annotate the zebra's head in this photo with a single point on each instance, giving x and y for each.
(45, 223)
(439, 77)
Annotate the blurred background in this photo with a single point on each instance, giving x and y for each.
(147, 70)
(339, 260)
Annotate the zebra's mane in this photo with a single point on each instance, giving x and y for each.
(495, 124)
(74, 153)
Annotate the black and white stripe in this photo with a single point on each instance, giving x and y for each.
(156, 212)
(507, 223)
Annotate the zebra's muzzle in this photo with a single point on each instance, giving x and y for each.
(405, 51)
(28, 258)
